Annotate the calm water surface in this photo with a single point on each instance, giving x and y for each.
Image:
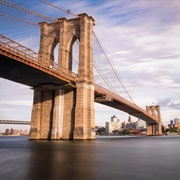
(122, 158)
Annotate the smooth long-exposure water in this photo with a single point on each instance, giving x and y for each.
(122, 158)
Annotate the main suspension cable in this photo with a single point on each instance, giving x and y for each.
(13, 5)
(61, 9)
(18, 19)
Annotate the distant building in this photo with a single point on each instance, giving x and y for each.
(136, 126)
(177, 123)
(12, 131)
(130, 119)
(140, 124)
(124, 125)
(130, 124)
(6, 132)
(114, 125)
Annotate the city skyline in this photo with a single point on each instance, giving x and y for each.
(140, 38)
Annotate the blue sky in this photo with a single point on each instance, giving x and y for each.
(141, 39)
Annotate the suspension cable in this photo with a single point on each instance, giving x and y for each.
(18, 19)
(112, 67)
(13, 5)
(61, 9)
(102, 76)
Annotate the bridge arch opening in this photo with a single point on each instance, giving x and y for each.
(75, 56)
(56, 56)
(73, 53)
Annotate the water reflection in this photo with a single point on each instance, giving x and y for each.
(124, 158)
(66, 160)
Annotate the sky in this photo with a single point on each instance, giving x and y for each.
(141, 39)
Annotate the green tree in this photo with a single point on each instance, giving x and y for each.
(125, 131)
(171, 129)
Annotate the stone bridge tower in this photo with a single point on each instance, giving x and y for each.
(154, 128)
(66, 113)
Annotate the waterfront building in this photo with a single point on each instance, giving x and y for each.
(114, 125)
(130, 119)
(6, 132)
(130, 124)
(140, 124)
(11, 131)
(177, 123)
(174, 123)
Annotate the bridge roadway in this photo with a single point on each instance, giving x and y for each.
(15, 122)
(21, 65)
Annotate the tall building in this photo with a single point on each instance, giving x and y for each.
(130, 124)
(114, 125)
(140, 124)
(130, 119)
(6, 132)
(177, 123)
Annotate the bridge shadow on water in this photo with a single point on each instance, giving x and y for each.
(126, 158)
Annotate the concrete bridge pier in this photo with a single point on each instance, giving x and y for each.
(154, 128)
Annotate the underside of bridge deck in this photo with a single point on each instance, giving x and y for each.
(28, 75)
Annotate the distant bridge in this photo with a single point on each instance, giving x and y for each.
(15, 122)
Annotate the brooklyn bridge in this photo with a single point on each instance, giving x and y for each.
(63, 103)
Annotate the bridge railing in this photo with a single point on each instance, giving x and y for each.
(17, 48)
(25, 53)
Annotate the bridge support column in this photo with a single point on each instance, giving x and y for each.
(41, 120)
(154, 128)
(63, 114)
(53, 114)
(84, 113)
(151, 129)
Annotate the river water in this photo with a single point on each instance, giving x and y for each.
(121, 158)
